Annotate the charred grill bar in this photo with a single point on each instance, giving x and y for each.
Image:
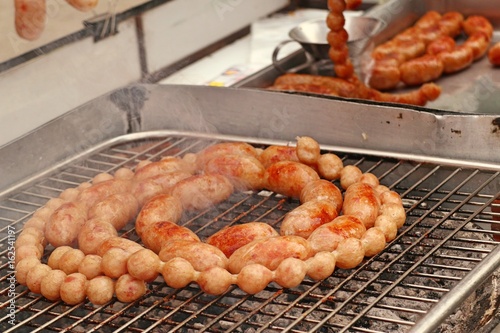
(448, 239)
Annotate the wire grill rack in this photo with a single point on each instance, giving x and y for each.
(450, 228)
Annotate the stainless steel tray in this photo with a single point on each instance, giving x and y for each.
(475, 90)
(446, 242)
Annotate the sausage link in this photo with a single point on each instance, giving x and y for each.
(245, 172)
(202, 191)
(232, 238)
(289, 178)
(202, 256)
(328, 236)
(361, 201)
(304, 219)
(421, 70)
(269, 252)
(273, 154)
(159, 233)
(160, 208)
(65, 224)
(494, 54)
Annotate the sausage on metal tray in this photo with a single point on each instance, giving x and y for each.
(269, 252)
(232, 238)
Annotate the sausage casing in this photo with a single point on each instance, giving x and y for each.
(202, 256)
(269, 252)
(224, 148)
(244, 171)
(289, 178)
(361, 201)
(328, 236)
(232, 238)
(157, 234)
(304, 219)
(202, 191)
(273, 154)
(160, 208)
(65, 224)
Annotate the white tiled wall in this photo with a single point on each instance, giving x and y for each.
(62, 20)
(50, 85)
(177, 28)
(39, 90)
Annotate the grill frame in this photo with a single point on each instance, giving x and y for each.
(365, 161)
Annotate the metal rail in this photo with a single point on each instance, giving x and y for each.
(445, 243)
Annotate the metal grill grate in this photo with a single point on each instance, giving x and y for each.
(446, 234)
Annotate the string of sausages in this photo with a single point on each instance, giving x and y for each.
(327, 230)
(427, 50)
(415, 57)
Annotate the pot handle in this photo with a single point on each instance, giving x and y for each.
(279, 63)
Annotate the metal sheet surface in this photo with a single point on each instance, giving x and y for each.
(423, 133)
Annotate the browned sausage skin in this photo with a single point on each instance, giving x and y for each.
(313, 241)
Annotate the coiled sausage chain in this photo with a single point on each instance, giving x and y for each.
(326, 231)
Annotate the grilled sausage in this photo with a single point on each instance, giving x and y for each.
(50, 286)
(245, 172)
(224, 148)
(421, 70)
(329, 235)
(269, 252)
(164, 166)
(458, 59)
(162, 207)
(90, 196)
(289, 178)
(322, 189)
(144, 265)
(126, 245)
(90, 266)
(117, 209)
(329, 166)
(145, 189)
(494, 54)
(73, 288)
(129, 289)
(100, 290)
(65, 224)
(273, 154)
(232, 238)
(442, 44)
(479, 43)
(93, 233)
(202, 256)
(477, 23)
(159, 233)
(202, 191)
(349, 175)
(308, 150)
(304, 219)
(361, 201)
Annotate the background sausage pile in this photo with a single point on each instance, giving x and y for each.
(427, 50)
(417, 56)
(90, 261)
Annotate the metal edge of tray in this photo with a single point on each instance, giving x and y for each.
(255, 113)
